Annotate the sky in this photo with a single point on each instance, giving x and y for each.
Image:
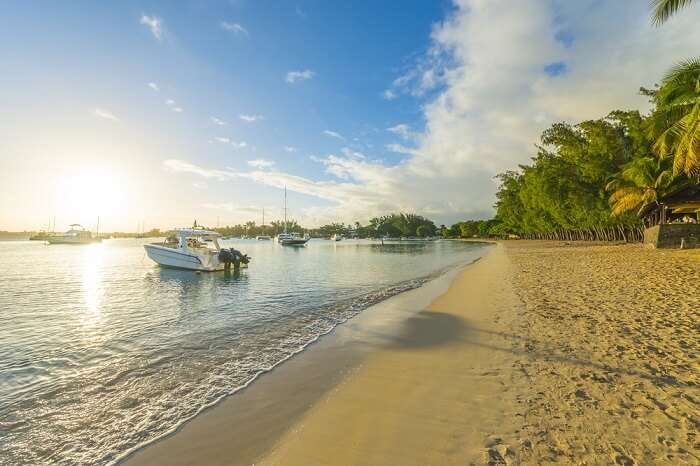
(150, 114)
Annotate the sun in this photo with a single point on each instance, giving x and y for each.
(85, 193)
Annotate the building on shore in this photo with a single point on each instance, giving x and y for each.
(673, 221)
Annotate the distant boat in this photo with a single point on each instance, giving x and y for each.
(262, 226)
(194, 249)
(290, 239)
(76, 235)
(337, 237)
(41, 236)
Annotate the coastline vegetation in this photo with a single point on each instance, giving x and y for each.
(589, 180)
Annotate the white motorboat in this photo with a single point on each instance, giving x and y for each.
(76, 235)
(263, 238)
(190, 250)
(337, 237)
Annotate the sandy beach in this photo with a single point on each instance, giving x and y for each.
(538, 353)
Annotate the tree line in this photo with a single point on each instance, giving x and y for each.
(589, 180)
(393, 225)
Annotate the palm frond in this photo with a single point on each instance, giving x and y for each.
(664, 9)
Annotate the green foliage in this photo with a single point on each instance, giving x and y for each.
(250, 229)
(332, 229)
(568, 185)
(472, 229)
(402, 224)
(664, 9)
(675, 123)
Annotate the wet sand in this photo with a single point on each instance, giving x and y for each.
(539, 353)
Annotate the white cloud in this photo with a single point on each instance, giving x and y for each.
(400, 149)
(389, 94)
(171, 103)
(290, 149)
(233, 207)
(233, 27)
(217, 121)
(186, 167)
(332, 134)
(235, 144)
(486, 98)
(155, 24)
(105, 114)
(404, 131)
(251, 118)
(154, 86)
(294, 76)
(347, 152)
(261, 163)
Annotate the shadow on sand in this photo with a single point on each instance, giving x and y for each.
(429, 328)
(436, 328)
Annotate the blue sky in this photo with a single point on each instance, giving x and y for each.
(161, 112)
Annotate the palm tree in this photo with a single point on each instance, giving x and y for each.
(640, 182)
(664, 9)
(675, 124)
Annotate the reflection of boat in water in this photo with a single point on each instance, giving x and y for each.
(194, 249)
(76, 235)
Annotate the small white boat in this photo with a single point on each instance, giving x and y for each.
(190, 250)
(337, 237)
(76, 235)
(263, 238)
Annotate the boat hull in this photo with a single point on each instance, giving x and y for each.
(71, 240)
(177, 259)
(293, 242)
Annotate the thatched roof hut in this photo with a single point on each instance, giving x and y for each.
(679, 205)
(674, 221)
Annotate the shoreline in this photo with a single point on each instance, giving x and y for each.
(335, 352)
(429, 396)
(538, 353)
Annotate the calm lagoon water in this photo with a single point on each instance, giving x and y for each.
(101, 351)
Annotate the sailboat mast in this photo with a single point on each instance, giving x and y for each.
(285, 209)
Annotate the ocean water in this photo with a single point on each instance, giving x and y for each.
(101, 351)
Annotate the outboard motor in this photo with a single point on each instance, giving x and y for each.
(233, 256)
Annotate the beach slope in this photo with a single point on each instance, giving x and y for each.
(439, 393)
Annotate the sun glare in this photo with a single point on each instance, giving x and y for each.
(86, 193)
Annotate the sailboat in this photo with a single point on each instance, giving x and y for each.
(263, 237)
(290, 239)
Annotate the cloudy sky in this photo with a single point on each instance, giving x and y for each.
(158, 113)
